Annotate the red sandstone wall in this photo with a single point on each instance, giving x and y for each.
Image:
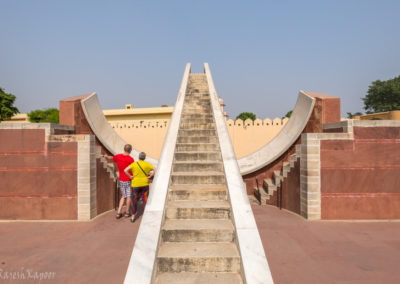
(105, 189)
(291, 189)
(360, 179)
(71, 113)
(38, 179)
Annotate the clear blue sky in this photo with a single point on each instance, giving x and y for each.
(261, 53)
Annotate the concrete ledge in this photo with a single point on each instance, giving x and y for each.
(65, 138)
(349, 124)
(254, 263)
(285, 138)
(103, 130)
(48, 127)
(142, 262)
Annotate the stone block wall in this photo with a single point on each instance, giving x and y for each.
(48, 174)
(291, 189)
(37, 175)
(353, 173)
(105, 188)
(360, 177)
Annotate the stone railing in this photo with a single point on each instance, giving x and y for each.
(254, 263)
(141, 265)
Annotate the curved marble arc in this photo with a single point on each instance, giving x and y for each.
(103, 130)
(285, 138)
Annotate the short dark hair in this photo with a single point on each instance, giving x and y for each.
(128, 148)
(142, 156)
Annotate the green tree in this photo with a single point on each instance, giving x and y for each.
(7, 108)
(383, 96)
(245, 115)
(288, 114)
(45, 115)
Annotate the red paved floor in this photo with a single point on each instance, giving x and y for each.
(301, 251)
(78, 252)
(298, 251)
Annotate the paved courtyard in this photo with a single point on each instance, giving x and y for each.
(298, 251)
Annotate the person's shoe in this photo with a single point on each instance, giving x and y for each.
(127, 215)
(133, 218)
(119, 216)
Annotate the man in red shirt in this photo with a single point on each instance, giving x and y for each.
(124, 160)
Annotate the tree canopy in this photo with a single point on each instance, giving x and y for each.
(383, 96)
(288, 114)
(245, 115)
(45, 115)
(7, 108)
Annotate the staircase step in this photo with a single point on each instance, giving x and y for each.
(198, 93)
(198, 166)
(198, 209)
(193, 126)
(210, 177)
(201, 99)
(285, 169)
(261, 194)
(198, 96)
(198, 278)
(196, 102)
(197, 116)
(199, 192)
(196, 147)
(277, 177)
(197, 139)
(269, 186)
(198, 230)
(196, 156)
(196, 111)
(197, 120)
(196, 132)
(198, 257)
(293, 159)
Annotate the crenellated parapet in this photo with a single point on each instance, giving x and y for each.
(248, 136)
(257, 122)
(140, 124)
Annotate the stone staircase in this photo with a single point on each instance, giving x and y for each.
(198, 239)
(267, 194)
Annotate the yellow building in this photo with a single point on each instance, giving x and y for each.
(129, 113)
(17, 118)
(387, 115)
